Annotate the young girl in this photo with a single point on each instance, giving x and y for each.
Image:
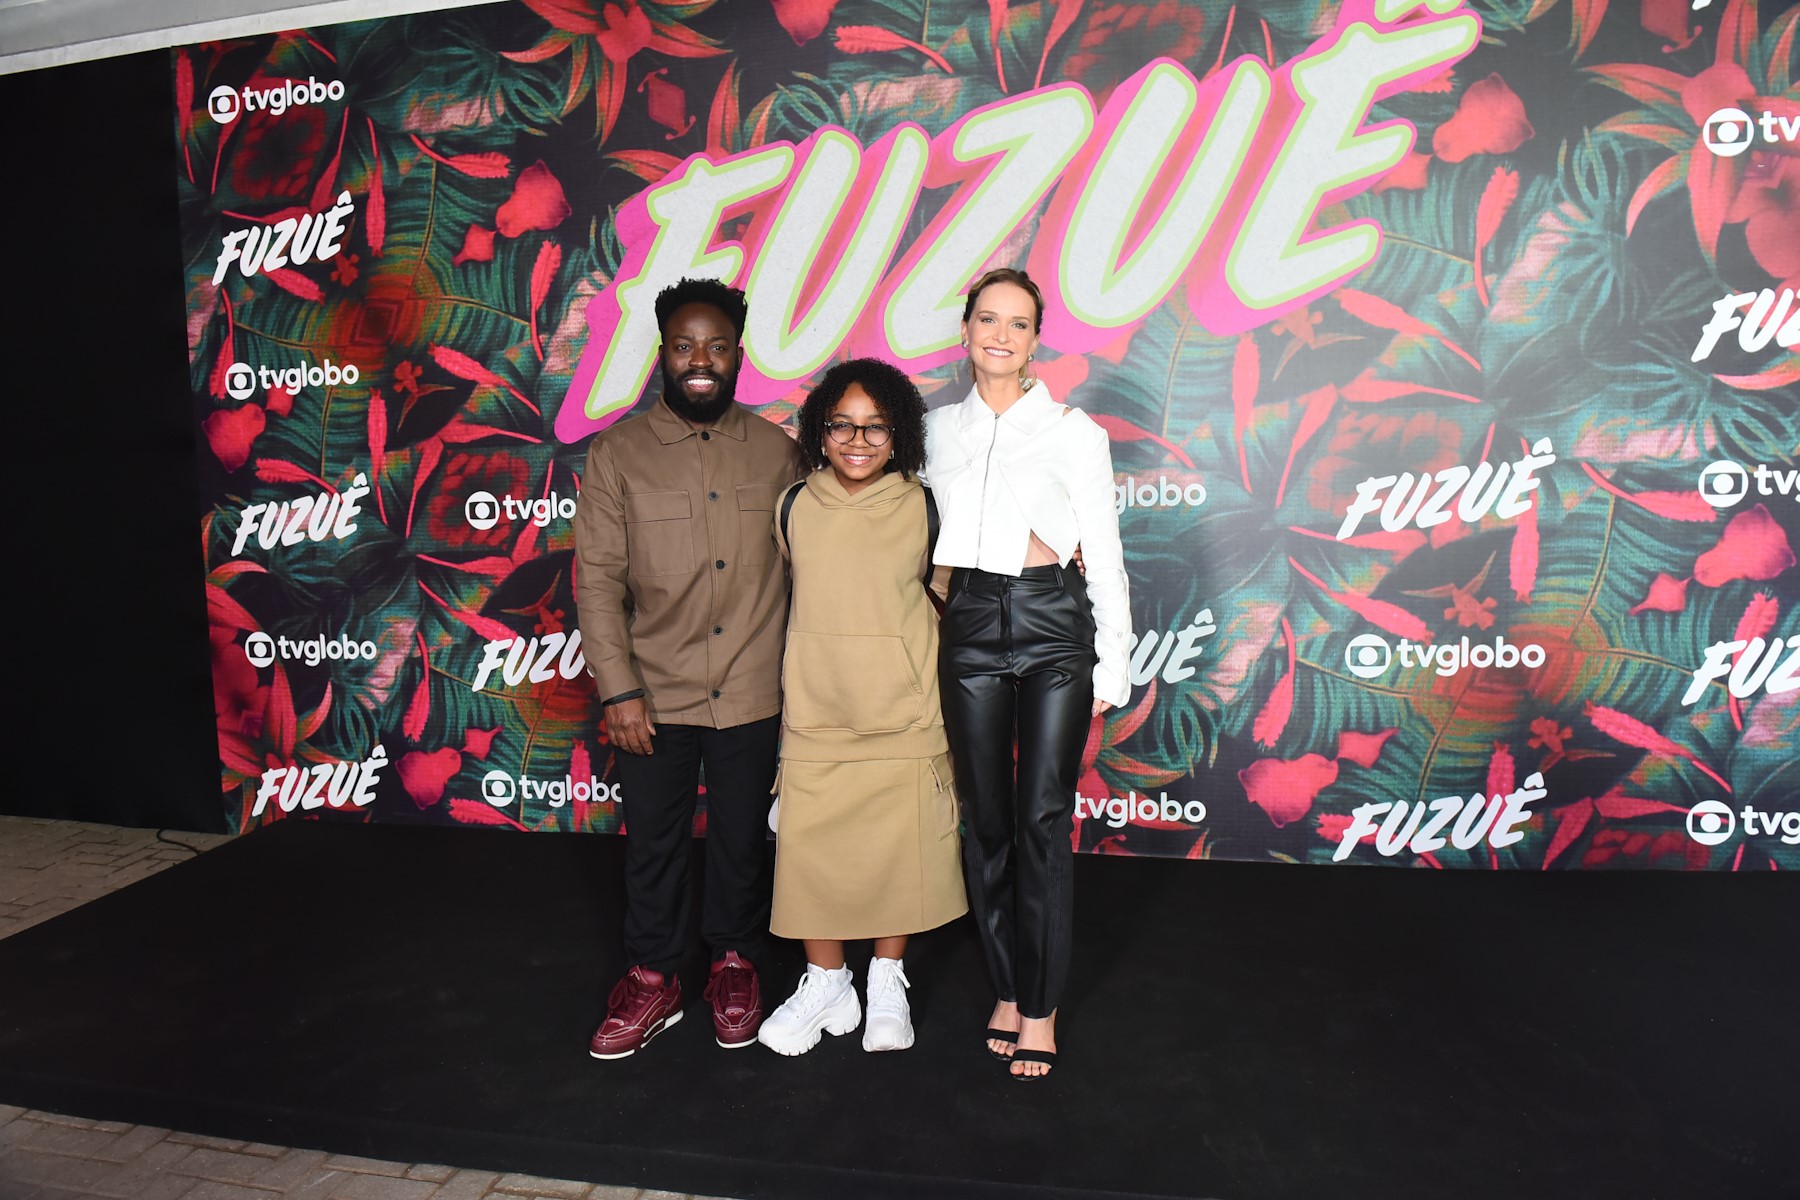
(866, 838)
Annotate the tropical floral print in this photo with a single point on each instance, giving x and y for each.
(1554, 244)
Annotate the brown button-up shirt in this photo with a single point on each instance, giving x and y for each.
(680, 588)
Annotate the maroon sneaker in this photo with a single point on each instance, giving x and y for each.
(736, 997)
(642, 1005)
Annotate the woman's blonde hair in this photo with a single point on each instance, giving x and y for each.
(1013, 276)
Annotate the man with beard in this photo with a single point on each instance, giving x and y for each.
(683, 605)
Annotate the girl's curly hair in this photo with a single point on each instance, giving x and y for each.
(898, 400)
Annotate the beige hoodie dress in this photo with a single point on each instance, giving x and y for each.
(867, 843)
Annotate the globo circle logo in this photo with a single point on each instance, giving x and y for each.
(1710, 822)
(1724, 483)
(1728, 132)
(259, 648)
(223, 104)
(1368, 656)
(498, 788)
(482, 510)
(240, 381)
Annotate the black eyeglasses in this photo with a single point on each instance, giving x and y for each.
(843, 432)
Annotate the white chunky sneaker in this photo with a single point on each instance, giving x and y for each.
(890, 1017)
(824, 1002)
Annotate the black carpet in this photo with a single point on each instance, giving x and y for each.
(1233, 1031)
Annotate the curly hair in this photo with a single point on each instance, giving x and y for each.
(894, 395)
(728, 300)
(1015, 277)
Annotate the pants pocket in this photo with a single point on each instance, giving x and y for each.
(947, 815)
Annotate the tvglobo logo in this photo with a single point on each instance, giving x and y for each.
(224, 104)
(262, 650)
(242, 380)
(1117, 811)
(1164, 493)
(483, 510)
(500, 789)
(1758, 317)
(1731, 131)
(1725, 483)
(1712, 823)
(1369, 656)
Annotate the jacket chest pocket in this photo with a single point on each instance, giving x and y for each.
(756, 522)
(659, 533)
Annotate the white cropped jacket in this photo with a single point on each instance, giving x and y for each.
(1042, 468)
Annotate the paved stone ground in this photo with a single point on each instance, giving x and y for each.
(49, 867)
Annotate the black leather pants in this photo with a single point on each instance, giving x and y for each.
(1016, 660)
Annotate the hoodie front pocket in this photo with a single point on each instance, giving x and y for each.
(863, 683)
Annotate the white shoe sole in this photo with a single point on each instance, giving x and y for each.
(836, 1020)
(667, 1022)
(876, 1045)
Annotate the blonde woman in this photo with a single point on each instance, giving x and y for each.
(1031, 651)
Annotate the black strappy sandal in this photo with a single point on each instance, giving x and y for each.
(1001, 1035)
(1047, 1057)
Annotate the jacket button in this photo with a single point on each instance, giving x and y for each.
(705, 437)
(715, 693)
(718, 629)
(720, 564)
(712, 495)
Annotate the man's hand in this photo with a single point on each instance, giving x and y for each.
(628, 725)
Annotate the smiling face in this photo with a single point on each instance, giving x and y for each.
(856, 463)
(700, 359)
(1001, 331)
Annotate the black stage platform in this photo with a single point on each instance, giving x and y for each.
(1234, 1031)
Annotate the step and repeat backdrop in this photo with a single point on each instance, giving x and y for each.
(1448, 353)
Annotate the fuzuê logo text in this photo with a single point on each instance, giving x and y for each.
(556, 655)
(1424, 500)
(1464, 824)
(1758, 317)
(1748, 666)
(318, 785)
(295, 241)
(1170, 653)
(309, 518)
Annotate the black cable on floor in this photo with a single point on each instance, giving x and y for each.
(161, 837)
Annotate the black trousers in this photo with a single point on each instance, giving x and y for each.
(658, 793)
(1016, 661)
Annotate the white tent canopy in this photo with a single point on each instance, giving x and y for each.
(48, 33)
